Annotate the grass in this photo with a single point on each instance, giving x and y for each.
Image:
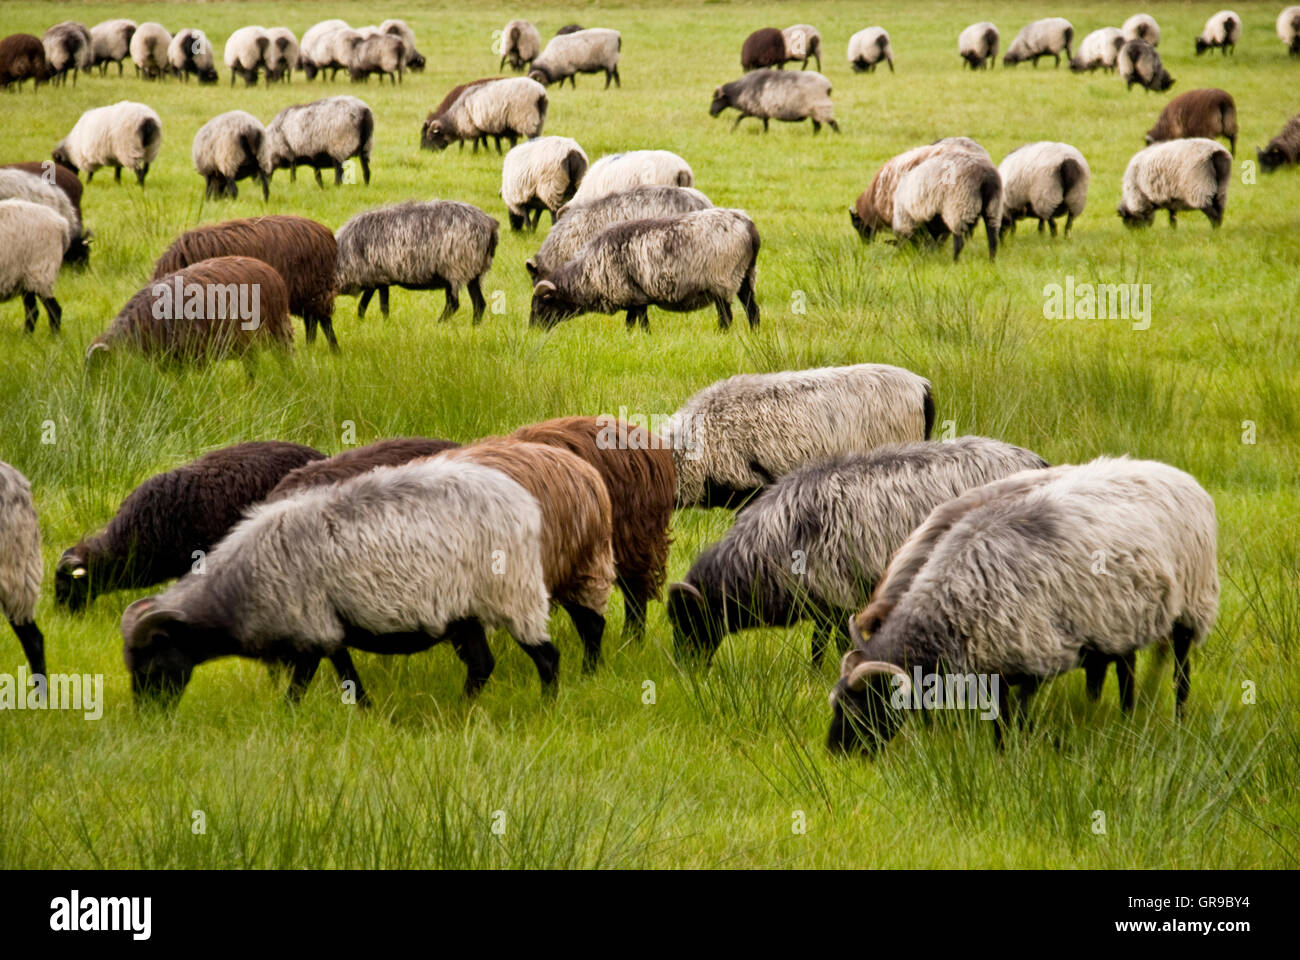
(715, 770)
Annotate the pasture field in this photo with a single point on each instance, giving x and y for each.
(645, 764)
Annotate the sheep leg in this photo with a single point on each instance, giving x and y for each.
(1173, 219)
(361, 306)
(1000, 721)
(1041, 223)
(266, 186)
(724, 312)
(319, 182)
(1094, 669)
(383, 300)
(833, 125)
(33, 643)
(766, 120)
(327, 324)
(338, 173)
(30, 315)
(546, 657)
(453, 303)
(211, 191)
(54, 313)
(637, 315)
(1126, 669)
(1182, 668)
(618, 81)
(469, 641)
(347, 671)
(820, 637)
(591, 627)
(1069, 222)
(365, 168)
(117, 175)
(957, 243)
(476, 298)
(733, 126)
(304, 668)
(139, 174)
(1051, 226)
(635, 599)
(747, 300)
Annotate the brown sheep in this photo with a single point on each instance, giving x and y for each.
(763, 48)
(22, 57)
(351, 463)
(1205, 113)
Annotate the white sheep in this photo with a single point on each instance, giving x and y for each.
(978, 45)
(520, 44)
(1044, 180)
(502, 109)
(281, 54)
(585, 51)
(1141, 26)
(1222, 30)
(245, 53)
(1288, 29)
(314, 48)
(125, 134)
(1188, 174)
(230, 147)
(111, 43)
(18, 184)
(149, 45)
(1099, 49)
(33, 239)
(616, 172)
(541, 174)
(21, 568)
(1042, 38)
(190, 52)
(948, 193)
(868, 47)
(68, 48)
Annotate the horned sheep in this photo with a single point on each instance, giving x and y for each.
(1044, 180)
(21, 569)
(771, 95)
(1190, 174)
(125, 134)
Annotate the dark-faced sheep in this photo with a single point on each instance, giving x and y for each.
(1222, 30)
(1288, 29)
(22, 58)
(190, 54)
(1099, 50)
(948, 193)
(228, 148)
(867, 48)
(585, 51)
(398, 28)
(282, 54)
(68, 49)
(1044, 180)
(1283, 149)
(245, 54)
(33, 241)
(771, 95)
(1003, 583)
(125, 134)
(1141, 26)
(1190, 174)
(499, 108)
(382, 54)
(1197, 113)
(302, 251)
(763, 48)
(520, 45)
(19, 184)
(873, 211)
(354, 462)
(1139, 63)
(21, 569)
(541, 174)
(1042, 38)
(172, 519)
(323, 134)
(111, 43)
(978, 45)
(149, 45)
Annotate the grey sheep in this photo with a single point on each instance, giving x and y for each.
(1281, 150)
(383, 54)
(777, 95)
(1139, 63)
(541, 174)
(500, 108)
(520, 45)
(68, 49)
(1191, 174)
(230, 147)
(190, 52)
(33, 240)
(419, 245)
(321, 134)
(949, 193)
(149, 45)
(125, 134)
(1043, 180)
(1222, 30)
(398, 28)
(978, 45)
(111, 43)
(21, 185)
(20, 564)
(814, 544)
(584, 51)
(1042, 38)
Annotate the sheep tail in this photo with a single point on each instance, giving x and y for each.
(149, 132)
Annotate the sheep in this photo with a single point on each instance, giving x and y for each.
(321, 134)
(1043, 180)
(1029, 577)
(949, 193)
(190, 52)
(1042, 38)
(111, 43)
(282, 54)
(978, 45)
(642, 482)
(868, 47)
(576, 223)
(21, 568)
(736, 436)
(352, 463)
(680, 263)
(22, 58)
(1288, 29)
(173, 519)
(206, 311)
(616, 172)
(125, 134)
(813, 545)
(1282, 149)
(358, 559)
(541, 174)
(1139, 63)
(771, 95)
(149, 45)
(62, 177)
(586, 51)
(1190, 174)
(576, 532)
(569, 28)
(68, 47)
(245, 54)
(804, 42)
(16, 184)
(1098, 49)
(763, 48)
(499, 108)
(874, 208)
(383, 54)
(447, 101)
(1198, 113)
(1222, 30)
(302, 251)
(34, 239)
(230, 147)
(398, 28)
(419, 245)
(520, 44)
(315, 48)
(1141, 26)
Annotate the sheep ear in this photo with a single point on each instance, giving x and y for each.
(531, 266)
(543, 287)
(864, 671)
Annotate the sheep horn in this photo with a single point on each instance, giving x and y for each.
(681, 586)
(543, 286)
(858, 678)
(139, 616)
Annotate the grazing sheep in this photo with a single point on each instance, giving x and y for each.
(419, 245)
(873, 211)
(206, 311)
(125, 134)
(1099, 49)
(190, 52)
(282, 54)
(1003, 582)
(680, 263)
(352, 463)
(68, 48)
(771, 95)
(111, 43)
(302, 251)
(868, 47)
(384, 54)
(321, 134)
(315, 49)
(1198, 113)
(1141, 26)
(358, 559)
(948, 193)
(1189, 174)
(170, 520)
(578, 222)
(1044, 180)
(149, 45)
(1288, 29)
(22, 58)
(447, 101)
(735, 436)
(230, 147)
(245, 54)
(978, 45)
(19, 184)
(541, 174)
(498, 108)
(1281, 150)
(569, 28)
(763, 48)
(804, 42)
(576, 537)
(64, 179)
(1222, 30)
(642, 482)
(813, 545)
(520, 44)
(398, 28)
(585, 51)
(1042, 38)
(1139, 63)
(33, 240)
(20, 564)
(616, 172)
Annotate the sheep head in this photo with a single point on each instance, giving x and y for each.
(72, 582)
(550, 306)
(862, 716)
(153, 637)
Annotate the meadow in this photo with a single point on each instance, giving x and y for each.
(646, 763)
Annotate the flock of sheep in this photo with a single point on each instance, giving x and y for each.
(970, 555)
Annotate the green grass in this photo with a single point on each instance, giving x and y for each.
(710, 774)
